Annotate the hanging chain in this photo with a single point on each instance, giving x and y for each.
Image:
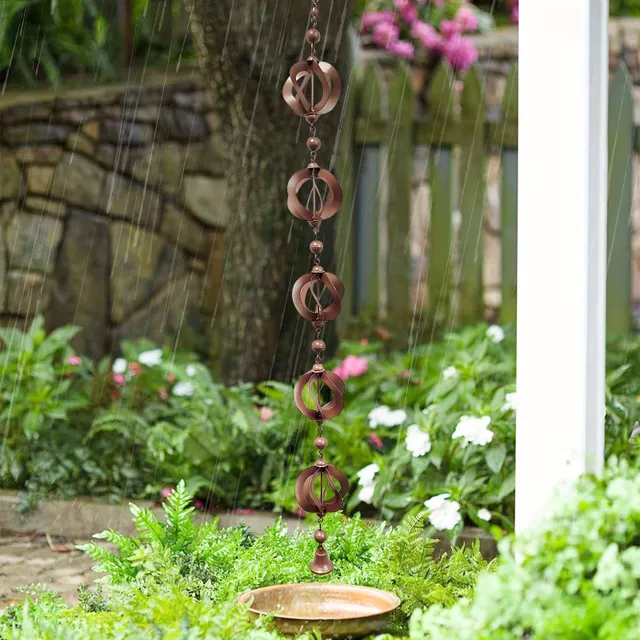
(313, 89)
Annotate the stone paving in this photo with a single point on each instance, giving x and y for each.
(55, 563)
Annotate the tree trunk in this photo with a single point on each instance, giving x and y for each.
(245, 50)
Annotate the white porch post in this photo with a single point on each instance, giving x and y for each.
(562, 189)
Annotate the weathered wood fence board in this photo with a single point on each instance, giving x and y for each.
(453, 123)
(619, 203)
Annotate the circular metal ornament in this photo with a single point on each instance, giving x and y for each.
(301, 76)
(329, 477)
(313, 283)
(320, 376)
(320, 210)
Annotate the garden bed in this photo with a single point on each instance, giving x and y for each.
(81, 518)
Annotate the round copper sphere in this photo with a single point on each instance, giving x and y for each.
(311, 118)
(314, 283)
(320, 536)
(321, 210)
(318, 346)
(299, 84)
(313, 143)
(316, 246)
(320, 443)
(312, 36)
(320, 412)
(315, 12)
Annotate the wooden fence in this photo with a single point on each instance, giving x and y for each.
(384, 122)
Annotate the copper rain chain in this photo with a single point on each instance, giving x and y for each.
(320, 489)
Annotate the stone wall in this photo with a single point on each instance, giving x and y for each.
(112, 206)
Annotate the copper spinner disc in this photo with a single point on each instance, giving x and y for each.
(335, 610)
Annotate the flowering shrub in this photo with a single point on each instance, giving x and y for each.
(434, 428)
(574, 576)
(437, 26)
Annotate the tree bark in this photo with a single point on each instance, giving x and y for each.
(245, 50)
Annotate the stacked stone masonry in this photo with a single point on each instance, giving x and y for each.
(112, 208)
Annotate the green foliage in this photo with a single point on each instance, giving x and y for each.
(624, 8)
(45, 39)
(135, 426)
(179, 576)
(574, 577)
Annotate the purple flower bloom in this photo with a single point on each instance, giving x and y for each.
(467, 19)
(385, 33)
(449, 28)
(460, 52)
(371, 18)
(401, 48)
(429, 37)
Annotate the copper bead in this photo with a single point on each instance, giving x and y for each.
(313, 143)
(316, 246)
(315, 12)
(318, 346)
(320, 443)
(312, 36)
(311, 118)
(320, 536)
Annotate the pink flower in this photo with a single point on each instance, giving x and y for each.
(406, 9)
(364, 342)
(376, 440)
(385, 33)
(74, 361)
(402, 49)
(266, 413)
(352, 367)
(460, 52)
(119, 379)
(163, 394)
(171, 377)
(198, 504)
(166, 492)
(371, 18)
(429, 37)
(449, 28)
(515, 14)
(135, 368)
(467, 19)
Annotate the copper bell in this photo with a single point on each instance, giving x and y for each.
(321, 565)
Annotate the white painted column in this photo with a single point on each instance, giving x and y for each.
(562, 187)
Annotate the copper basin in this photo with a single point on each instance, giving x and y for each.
(335, 610)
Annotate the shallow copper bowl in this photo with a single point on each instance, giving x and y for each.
(335, 610)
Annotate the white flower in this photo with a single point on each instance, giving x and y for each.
(190, 370)
(418, 441)
(495, 333)
(151, 358)
(510, 402)
(119, 365)
(384, 416)
(450, 372)
(444, 514)
(474, 430)
(183, 389)
(366, 493)
(367, 474)
(484, 514)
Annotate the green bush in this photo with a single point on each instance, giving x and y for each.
(181, 580)
(134, 426)
(575, 576)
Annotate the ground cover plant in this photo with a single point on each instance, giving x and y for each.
(432, 428)
(574, 577)
(181, 580)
